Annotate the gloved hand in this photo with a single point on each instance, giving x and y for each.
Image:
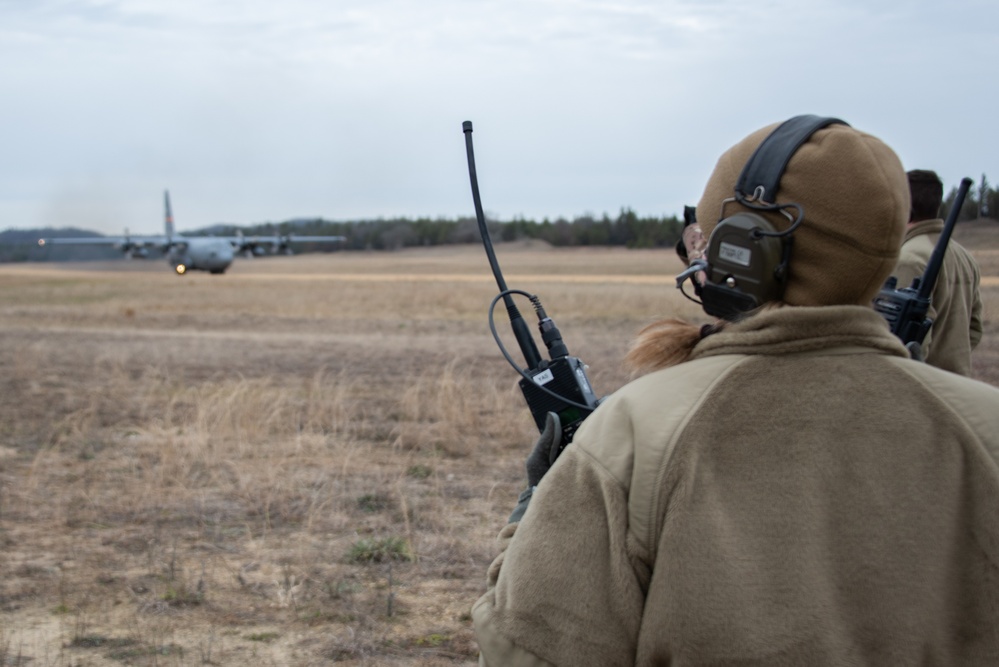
(540, 460)
(545, 450)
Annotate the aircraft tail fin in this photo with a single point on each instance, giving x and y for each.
(168, 216)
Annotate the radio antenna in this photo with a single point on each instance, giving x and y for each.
(929, 279)
(520, 329)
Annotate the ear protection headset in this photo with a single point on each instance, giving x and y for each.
(747, 257)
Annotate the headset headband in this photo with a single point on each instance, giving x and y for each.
(761, 175)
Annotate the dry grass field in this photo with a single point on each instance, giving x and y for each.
(302, 462)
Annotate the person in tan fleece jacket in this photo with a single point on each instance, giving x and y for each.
(956, 302)
(785, 489)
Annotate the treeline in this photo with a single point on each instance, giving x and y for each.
(982, 202)
(626, 229)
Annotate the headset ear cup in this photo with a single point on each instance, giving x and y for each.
(746, 268)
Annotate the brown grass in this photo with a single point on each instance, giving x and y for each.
(302, 462)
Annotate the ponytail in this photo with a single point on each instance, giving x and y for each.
(666, 343)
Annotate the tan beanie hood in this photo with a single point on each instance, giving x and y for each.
(855, 197)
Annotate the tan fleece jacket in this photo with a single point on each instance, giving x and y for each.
(955, 305)
(771, 502)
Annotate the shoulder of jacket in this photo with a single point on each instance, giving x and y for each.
(973, 402)
(649, 409)
(917, 247)
(962, 258)
(635, 430)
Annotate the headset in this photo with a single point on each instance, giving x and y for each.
(747, 257)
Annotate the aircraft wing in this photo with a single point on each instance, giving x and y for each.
(293, 238)
(120, 241)
(259, 245)
(131, 246)
(283, 238)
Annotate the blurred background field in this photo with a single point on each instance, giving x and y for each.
(302, 462)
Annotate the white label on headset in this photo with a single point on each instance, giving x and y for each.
(735, 254)
(544, 377)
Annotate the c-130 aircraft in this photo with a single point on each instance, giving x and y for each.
(195, 253)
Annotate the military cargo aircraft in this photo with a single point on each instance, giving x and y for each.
(196, 253)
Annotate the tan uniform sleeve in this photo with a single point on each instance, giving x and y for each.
(565, 590)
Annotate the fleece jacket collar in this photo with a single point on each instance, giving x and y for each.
(934, 226)
(801, 329)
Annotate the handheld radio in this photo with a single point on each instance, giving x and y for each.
(558, 384)
(906, 309)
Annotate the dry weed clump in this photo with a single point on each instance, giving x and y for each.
(458, 410)
(202, 444)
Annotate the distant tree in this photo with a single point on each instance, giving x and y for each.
(516, 229)
(591, 232)
(983, 198)
(969, 211)
(399, 235)
(627, 226)
(993, 204)
(467, 231)
(433, 232)
(562, 233)
(544, 230)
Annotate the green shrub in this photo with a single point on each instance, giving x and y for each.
(379, 550)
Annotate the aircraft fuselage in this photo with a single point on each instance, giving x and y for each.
(201, 254)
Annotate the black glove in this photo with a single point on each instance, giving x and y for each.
(545, 450)
(541, 459)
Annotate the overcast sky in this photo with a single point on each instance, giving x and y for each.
(251, 110)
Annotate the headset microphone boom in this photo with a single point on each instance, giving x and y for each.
(558, 384)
